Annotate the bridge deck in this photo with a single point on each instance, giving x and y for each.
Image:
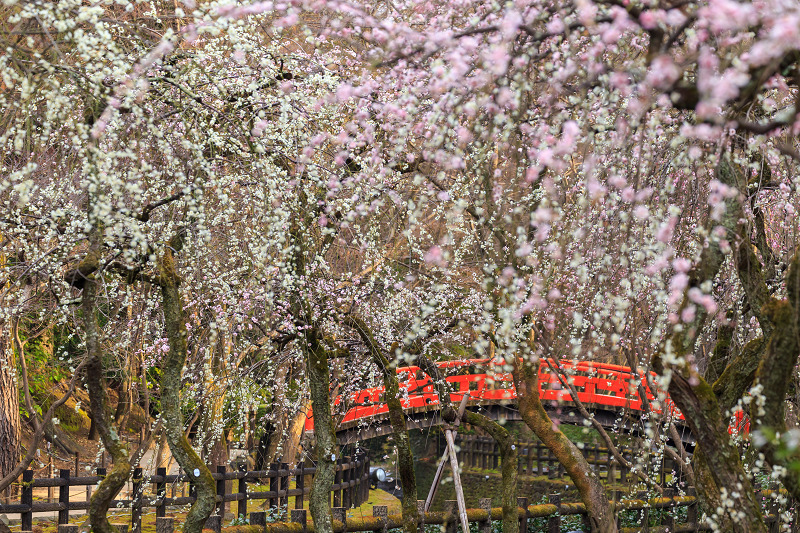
(608, 391)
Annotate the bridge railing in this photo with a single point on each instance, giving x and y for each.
(536, 459)
(351, 488)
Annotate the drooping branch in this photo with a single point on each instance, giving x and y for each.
(564, 380)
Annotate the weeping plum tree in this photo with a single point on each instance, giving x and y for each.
(588, 167)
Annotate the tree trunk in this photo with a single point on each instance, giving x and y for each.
(592, 494)
(98, 401)
(397, 418)
(508, 459)
(326, 447)
(10, 425)
(172, 368)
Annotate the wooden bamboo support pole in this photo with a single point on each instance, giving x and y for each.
(440, 469)
(462, 506)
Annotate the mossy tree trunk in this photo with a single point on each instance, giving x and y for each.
(326, 447)
(98, 402)
(722, 482)
(592, 493)
(172, 367)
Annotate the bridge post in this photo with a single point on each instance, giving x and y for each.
(486, 505)
(554, 521)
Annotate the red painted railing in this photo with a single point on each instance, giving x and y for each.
(597, 385)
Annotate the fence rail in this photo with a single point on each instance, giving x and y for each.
(350, 488)
(536, 459)
(553, 514)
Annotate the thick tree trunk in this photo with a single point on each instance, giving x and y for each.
(172, 368)
(10, 424)
(593, 496)
(326, 447)
(508, 460)
(700, 407)
(95, 383)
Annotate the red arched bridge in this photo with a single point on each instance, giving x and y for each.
(609, 392)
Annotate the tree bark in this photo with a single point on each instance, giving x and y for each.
(98, 401)
(592, 494)
(172, 367)
(326, 447)
(10, 424)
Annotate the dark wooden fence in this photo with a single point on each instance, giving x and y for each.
(351, 488)
(536, 459)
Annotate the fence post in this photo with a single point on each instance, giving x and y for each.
(381, 512)
(299, 517)
(554, 521)
(337, 484)
(451, 521)
(220, 506)
(486, 505)
(136, 503)
(241, 506)
(539, 470)
(258, 519)
(523, 514)
(165, 525)
(340, 515)
(691, 511)
(161, 493)
(421, 513)
(347, 477)
(63, 497)
(669, 519)
(300, 485)
(214, 523)
(284, 484)
(273, 485)
(49, 474)
(363, 474)
(26, 498)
